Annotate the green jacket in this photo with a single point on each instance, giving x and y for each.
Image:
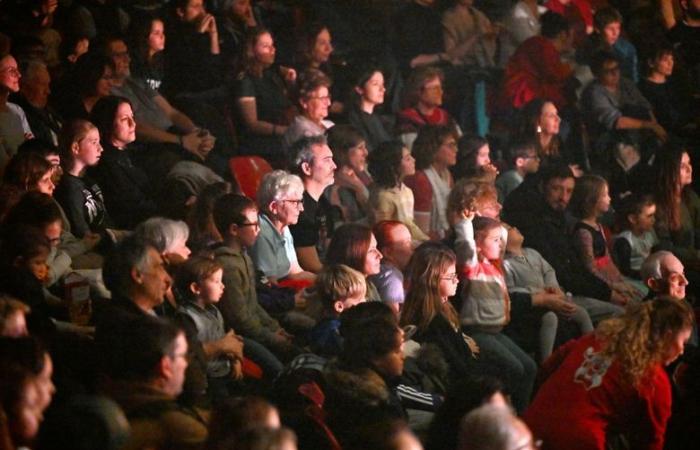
(239, 304)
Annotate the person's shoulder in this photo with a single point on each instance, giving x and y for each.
(183, 428)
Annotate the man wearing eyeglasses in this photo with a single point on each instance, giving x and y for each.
(14, 128)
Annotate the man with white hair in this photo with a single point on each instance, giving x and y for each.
(33, 98)
(664, 274)
(492, 427)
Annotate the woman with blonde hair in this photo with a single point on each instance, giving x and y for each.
(612, 383)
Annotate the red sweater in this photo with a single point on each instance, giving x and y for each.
(535, 71)
(583, 397)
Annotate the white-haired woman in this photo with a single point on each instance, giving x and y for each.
(280, 202)
(168, 236)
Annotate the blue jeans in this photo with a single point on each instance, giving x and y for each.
(263, 357)
(517, 368)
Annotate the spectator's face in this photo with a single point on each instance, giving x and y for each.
(37, 88)
(104, 85)
(45, 184)
(488, 206)
(37, 265)
(212, 288)
(156, 38)
(44, 383)
(448, 282)
(124, 128)
(558, 192)
(9, 74)
(178, 363)
(53, 232)
(119, 52)
(676, 345)
(408, 163)
(357, 157)
(15, 325)
(391, 364)
(373, 90)
(611, 33)
(431, 93)
(193, 12)
(686, 175)
(88, 150)
(264, 49)
(154, 281)
(483, 156)
(447, 153)
(610, 74)
(322, 47)
(674, 280)
(491, 246)
(549, 119)
(25, 419)
(241, 8)
(645, 220)
(249, 230)
(400, 247)
(323, 168)
(664, 64)
(532, 162)
(372, 258)
(316, 104)
(288, 209)
(603, 203)
(515, 238)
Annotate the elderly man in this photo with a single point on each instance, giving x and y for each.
(664, 274)
(494, 427)
(312, 160)
(34, 90)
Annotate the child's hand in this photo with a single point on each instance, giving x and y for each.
(562, 306)
(468, 214)
(236, 369)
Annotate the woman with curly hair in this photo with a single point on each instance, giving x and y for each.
(612, 384)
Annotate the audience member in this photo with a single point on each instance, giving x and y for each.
(203, 232)
(350, 189)
(422, 102)
(636, 238)
(578, 14)
(33, 98)
(280, 199)
(418, 39)
(664, 274)
(147, 44)
(234, 417)
(312, 161)
(13, 321)
(368, 94)
(474, 160)
(435, 152)
(525, 161)
(469, 37)
(90, 80)
(396, 246)
(494, 427)
(684, 37)
(613, 381)
(520, 24)
(14, 128)
(314, 99)
(390, 198)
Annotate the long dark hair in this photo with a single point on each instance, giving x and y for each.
(349, 246)
(103, 114)
(669, 193)
(385, 164)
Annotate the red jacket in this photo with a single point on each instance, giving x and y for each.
(584, 397)
(536, 71)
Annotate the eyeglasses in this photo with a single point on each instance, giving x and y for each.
(12, 71)
(450, 144)
(298, 203)
(450, 277)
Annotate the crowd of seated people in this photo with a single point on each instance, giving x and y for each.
(343, 224)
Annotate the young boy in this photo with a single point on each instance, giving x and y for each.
(236, 218)
(635, 243)
(527, 271)
(607, 24)
(525, 161)
(199, 282)
(337, 288)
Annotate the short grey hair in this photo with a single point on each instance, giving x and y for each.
(163, 233)
(488, 427)
(302, 152)
(651, 267)
(277, 185)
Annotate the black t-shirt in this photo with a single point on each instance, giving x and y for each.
(315, 224)
(83, 203)
(686, 40)
(271, 100)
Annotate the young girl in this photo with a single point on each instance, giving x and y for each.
(433, 280)
(637, 238)
(80, 197)
(390, 198)
(486, 303)
(589, 201)
(199, 282)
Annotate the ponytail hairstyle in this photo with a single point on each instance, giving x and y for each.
(423, 302)
(639, 338)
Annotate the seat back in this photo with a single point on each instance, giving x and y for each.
(248, 172)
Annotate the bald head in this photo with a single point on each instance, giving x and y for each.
(664, 274)
(492, 427)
